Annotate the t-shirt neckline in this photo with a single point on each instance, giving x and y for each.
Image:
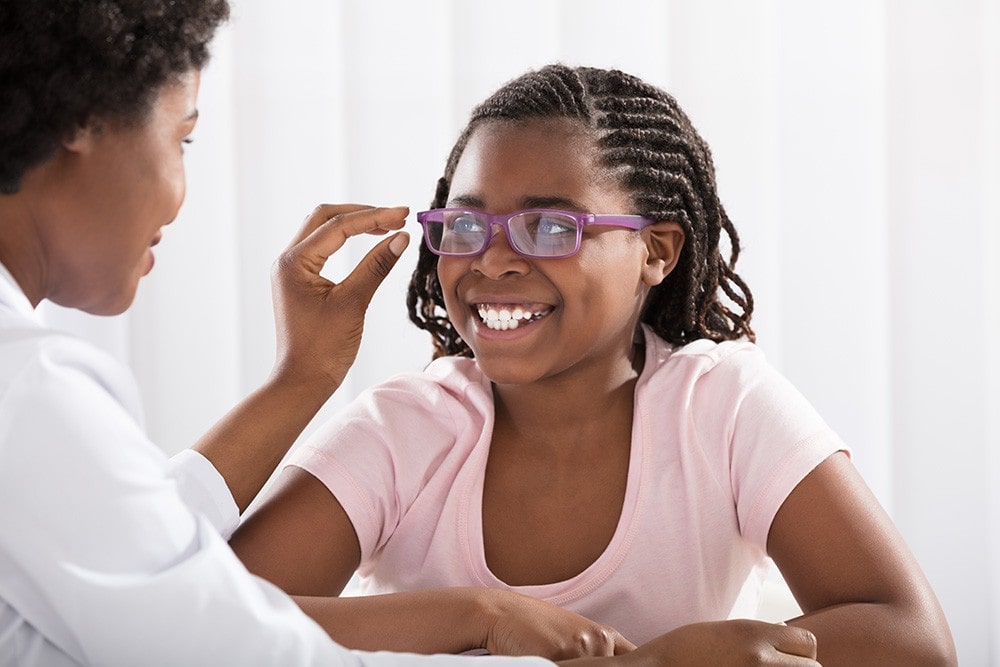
(562, 592)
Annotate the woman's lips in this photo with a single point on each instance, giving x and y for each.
(148, 255)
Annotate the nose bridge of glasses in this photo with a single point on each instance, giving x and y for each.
(498, 227)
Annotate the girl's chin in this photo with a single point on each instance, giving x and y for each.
(509, 371)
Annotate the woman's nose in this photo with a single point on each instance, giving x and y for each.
(499, 257)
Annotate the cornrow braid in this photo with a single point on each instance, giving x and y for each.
(650, 144)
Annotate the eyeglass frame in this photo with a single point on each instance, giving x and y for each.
(502, 220)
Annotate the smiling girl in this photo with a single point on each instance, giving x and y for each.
(599, 456)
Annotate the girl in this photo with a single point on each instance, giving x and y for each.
(599, 455)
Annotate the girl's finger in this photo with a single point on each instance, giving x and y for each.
(795, 641)
(622, 645)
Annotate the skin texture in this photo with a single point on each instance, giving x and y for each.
(550, 462)
(83, 237)
(535, 485)
(79, 232)
(249, 442)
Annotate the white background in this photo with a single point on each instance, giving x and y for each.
(857, 144)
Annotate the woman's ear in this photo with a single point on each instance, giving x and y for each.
(664, 241)
(81, 138)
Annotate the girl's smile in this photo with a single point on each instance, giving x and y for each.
(507, 316)
(526, 319)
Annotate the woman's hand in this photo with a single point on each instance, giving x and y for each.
(521, 625)
(722, 643)
(319, 323)
(319, 327)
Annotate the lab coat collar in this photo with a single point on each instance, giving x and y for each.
(13, 298)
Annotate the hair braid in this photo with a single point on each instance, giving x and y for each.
(649, 143)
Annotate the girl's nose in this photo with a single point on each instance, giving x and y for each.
(499, 258)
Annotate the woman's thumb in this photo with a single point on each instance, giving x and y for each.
(398, 243)
(375, 266)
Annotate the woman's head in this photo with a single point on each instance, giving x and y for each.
(99, 98)
(648, 149)
(65, 62)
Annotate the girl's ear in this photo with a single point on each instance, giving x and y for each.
(664, 241)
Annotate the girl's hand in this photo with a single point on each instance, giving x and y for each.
(721, 643)
(521, 625)
(318, 322)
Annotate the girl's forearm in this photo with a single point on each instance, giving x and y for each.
(879, 634)
(447, 620)
(453, 620)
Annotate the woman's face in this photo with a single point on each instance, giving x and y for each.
(116, 185)
(585, 308)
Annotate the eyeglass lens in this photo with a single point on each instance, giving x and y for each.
(542, 234)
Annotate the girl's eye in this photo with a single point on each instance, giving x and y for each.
(555, 225)
(466, 224)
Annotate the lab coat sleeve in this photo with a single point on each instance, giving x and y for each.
(205, 491)
(101, 554)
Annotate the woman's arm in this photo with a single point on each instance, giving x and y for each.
(319, 325)
(865, 597)
(302, 540)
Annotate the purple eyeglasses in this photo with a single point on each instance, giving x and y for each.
(535, 233)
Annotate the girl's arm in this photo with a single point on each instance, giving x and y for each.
(863, 593)
(866, 600)
(302, 540)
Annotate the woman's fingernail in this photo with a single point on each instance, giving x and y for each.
(398, 243)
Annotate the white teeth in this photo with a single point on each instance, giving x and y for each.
(504, 319)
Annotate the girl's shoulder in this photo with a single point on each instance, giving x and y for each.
(459, 377)
(449, 390)
(702, 357)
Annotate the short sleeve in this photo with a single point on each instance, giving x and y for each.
(379, 453)
(775, 437)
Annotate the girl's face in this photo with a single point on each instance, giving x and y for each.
(117, 186)
(583, 309)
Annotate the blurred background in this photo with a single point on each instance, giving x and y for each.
(857, 145)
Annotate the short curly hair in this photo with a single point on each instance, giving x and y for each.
(66, 61)
(649, 142)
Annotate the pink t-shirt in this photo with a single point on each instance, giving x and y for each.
(719, 440)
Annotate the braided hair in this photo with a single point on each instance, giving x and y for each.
(644, 138)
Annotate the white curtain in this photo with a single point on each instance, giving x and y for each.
(857, 144)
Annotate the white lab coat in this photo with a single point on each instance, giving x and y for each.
(109, 553)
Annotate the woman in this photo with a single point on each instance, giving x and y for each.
(110, 554)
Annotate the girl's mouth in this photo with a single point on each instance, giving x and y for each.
(506, 316)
